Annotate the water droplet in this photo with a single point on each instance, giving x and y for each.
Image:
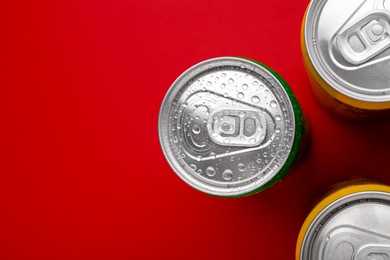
(241, 167)
(227, 175)
(252, 140)
(212, 155)
(179, 127)
(183, 155)
(232, 158)
(245, 87)
(208, 83)
(255, 83)
(223, 75)
(265, 154)
(241, 114)
(277, 117)
(240, 95)
(210, 171)
(234, 102)
(216, 78)
(273, 103)
(255, 99)
(199, 158)
(230, 81)
(258, 160)
(195, 129)
(199, 171)
(175, 139)
(226, 95)
(277, 130)
(193, 166)
(227, 141)
(185, 104)
(223, 85)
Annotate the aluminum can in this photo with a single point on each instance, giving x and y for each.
(230, 127)
(352, 222)
(346, 50)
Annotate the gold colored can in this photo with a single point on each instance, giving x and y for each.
(346, 50)
(350, 222)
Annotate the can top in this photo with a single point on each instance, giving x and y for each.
(355, 227)
(227, 126)
(348, 43)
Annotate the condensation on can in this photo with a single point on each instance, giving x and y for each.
(231, 127)
(350, 222)
(330, 77)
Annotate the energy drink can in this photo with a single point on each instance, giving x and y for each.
(346, 50)
(352, 222)
(230, 127)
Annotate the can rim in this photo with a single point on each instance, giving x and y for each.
(313, 10)
(187, 177)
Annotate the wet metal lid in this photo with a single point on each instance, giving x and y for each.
(227, 126)
(348, 43)
(355, 227)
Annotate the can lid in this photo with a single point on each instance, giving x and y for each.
(348, 43)
(355, 227)
(227, 126)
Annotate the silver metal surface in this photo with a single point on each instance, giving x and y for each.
(356, 227)
(226, 126)
(348, 42)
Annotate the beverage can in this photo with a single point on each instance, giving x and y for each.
(230, 127)
(352, 222)
(346, 50)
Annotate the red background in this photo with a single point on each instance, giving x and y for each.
(82, 175)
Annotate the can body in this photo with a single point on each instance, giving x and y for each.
(230, 127)
(351, 222)
(346, 51)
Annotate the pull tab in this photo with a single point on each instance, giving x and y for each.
(365, 38)
(373, 252)
(383, 4)
(237, 127)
